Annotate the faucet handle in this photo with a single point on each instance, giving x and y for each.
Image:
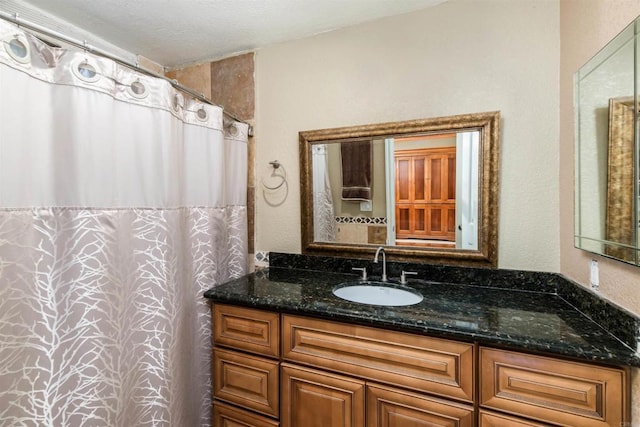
(364, 272)
(403, 276)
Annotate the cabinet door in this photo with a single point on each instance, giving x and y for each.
(312, 398)
(389, 407)
(488, 419)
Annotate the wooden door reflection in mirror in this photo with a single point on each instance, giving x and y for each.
(425, 194)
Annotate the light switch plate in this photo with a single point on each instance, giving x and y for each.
(595, 275)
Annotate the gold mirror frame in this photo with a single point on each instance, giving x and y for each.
(488, 124)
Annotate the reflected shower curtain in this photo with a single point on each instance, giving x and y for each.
(324, 224)
(121, 202)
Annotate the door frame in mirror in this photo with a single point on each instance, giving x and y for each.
(487, 123)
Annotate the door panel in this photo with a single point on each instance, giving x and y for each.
(403, 178)
(418, 180)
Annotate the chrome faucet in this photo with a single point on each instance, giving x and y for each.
(384, 262)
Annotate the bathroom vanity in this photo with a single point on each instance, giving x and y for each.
(514, 352)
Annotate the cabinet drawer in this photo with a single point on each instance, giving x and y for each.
(488, 419)
(408, 360)
(228, 416)
(247, 329)
(551, 390)
(249, 381)
(389, 407)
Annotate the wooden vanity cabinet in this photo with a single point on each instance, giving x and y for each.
(273, 369)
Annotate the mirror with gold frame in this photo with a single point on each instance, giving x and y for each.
(426, 190)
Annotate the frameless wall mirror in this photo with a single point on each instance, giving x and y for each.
(425, 189)
(606, 151)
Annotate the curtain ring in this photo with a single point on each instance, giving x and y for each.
(230, 127)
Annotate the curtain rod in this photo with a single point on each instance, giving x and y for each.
(15, 19)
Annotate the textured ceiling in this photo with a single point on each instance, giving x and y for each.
(177, 32)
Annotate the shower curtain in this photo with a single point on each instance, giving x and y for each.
(121, 202)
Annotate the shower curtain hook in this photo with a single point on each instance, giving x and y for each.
(84, 49)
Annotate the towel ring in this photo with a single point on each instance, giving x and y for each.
(274, 173)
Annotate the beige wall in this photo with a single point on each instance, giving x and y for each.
(459, 57)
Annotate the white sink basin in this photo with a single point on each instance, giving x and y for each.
(377, 293)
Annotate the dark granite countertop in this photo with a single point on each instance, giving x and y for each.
(533, 321)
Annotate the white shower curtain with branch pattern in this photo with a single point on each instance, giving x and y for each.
(121, 202)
